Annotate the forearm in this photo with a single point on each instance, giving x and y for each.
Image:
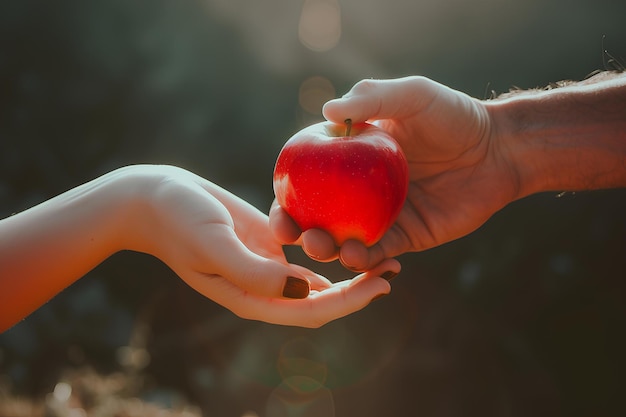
(566, 139)
(48, 247)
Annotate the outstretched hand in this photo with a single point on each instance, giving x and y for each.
(458, 175)
(217, 243)
(222, 247)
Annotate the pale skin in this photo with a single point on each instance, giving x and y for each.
(469, 158)
(217, 243)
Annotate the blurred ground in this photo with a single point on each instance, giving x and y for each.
(525, 317)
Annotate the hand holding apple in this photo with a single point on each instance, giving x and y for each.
(348, 180)
(458, 174)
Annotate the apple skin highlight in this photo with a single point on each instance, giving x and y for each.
(352, 186)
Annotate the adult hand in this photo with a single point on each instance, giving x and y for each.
(459, 174)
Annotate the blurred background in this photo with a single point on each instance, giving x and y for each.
(524, 317)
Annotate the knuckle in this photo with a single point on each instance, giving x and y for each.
(364, 86)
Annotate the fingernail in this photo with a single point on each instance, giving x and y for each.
(378, 297)
(296, 288)
(389, 275)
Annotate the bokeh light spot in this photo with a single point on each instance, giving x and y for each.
(62, 392)
(300, 357)
(131, 357)
(295, 397)
(314, 92)
(320, 24)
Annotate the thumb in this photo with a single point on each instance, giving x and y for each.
(251, 272)
(282, 226)
(382, 99)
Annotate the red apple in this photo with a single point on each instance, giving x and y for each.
(349, 180)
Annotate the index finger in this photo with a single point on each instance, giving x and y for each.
(382, 99)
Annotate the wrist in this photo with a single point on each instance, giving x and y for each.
(115, 202)
(151, 204)
(566, 139)
(133, 190)
(519, 146)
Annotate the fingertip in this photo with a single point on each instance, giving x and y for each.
(389, 275)
(319, 245)
(316, 281)
(357, 257)
(388, 269)
(331, 110)
(378, 278)
(296, 288)
(384, 285)
(383, 293)
(251, 272)
(382, 274)
(354, 255)
(346, 297)
(377, 288)
(347, 107)
(283, 227)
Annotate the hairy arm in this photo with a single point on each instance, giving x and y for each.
(469, 158)
(565, 139)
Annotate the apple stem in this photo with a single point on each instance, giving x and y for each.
(348, 123)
